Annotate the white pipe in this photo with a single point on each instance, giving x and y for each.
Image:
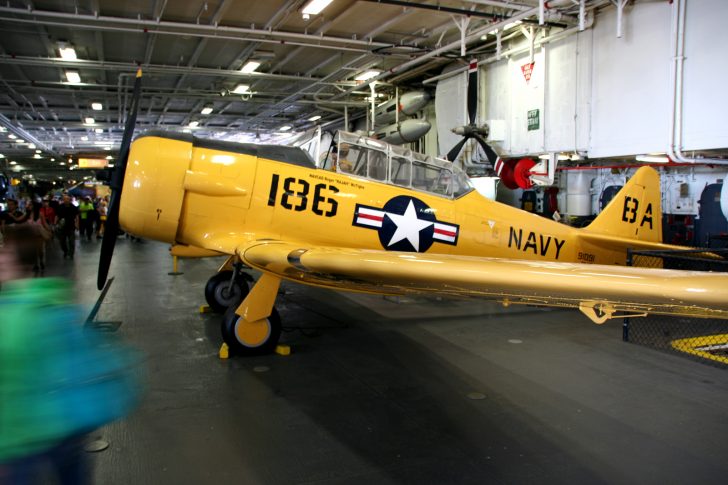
(674, 149)
(494, 3)
(541, 12)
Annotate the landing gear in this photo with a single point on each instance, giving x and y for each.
(222, 291)
(251, 338)
(253, 327)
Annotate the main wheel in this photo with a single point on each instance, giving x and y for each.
(220, 294)
(245, 338)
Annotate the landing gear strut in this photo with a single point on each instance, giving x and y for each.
(226, 288)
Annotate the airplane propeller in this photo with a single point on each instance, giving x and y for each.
(513, 173)
(472, 130)
(117, 183)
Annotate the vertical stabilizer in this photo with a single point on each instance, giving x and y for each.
(635, 212)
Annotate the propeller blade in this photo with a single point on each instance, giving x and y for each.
(472, 90)
(117, 182)
(489, 152)
(455, 151)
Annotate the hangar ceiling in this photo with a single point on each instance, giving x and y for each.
(193, 54)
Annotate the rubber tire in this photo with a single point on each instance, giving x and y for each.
(238, 348)
(218, 285)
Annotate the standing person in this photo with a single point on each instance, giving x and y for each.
(13, 215)
(86, 213)
(36, 220)
(58, 380)
(48, 212)
(67, 224)
(103, 212)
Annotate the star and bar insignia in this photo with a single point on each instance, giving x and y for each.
(406, 224)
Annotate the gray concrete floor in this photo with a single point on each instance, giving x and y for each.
(385, 391)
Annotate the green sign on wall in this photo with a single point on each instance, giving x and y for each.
(533, 120)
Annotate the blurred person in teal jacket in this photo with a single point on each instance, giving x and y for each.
(58, 380)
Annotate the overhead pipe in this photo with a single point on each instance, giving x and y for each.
(501, 4)
(95, 22)
(156, 69)
(437, 7)
(21, 133)
(674, 149)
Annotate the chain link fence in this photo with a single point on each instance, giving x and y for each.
(701, 339)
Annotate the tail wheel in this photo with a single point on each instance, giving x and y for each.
(245, 338)
(222, 292)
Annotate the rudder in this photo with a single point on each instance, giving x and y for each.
(635, 212)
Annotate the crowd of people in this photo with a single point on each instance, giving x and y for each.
(57, 218)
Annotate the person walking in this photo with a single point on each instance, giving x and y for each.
(86, 217)
(58, 380)
(68, 221)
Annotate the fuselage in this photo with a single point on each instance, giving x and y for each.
(207, 196)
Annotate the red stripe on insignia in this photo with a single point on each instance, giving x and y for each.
(446, 233)
(373, 218)
(473, 65)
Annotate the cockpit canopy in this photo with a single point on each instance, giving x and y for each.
(376, 160)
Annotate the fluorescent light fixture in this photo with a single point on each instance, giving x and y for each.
(62, 163)
(97, 106)
(284, 128)
(73, 77)
(36, 156)
(2, 156)
(68, 53)
(12, 137)
(37, 151)
(652, 158)
(84, 138)
(13, 163)
(194, 124)
(102, 143)
(109, 157)
(107, 148)
(250, 66)
(89, 121)
(314, 7)
(367, 75)
(20, 141)
(111, 165)
(206, 110)
(31, 146)
(99, 130)
(315, 118)
(241, 88)
(53, 159)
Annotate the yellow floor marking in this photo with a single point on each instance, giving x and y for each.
(700, 346)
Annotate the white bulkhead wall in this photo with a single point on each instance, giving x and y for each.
(610, 96)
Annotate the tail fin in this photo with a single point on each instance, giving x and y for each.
(635, 212)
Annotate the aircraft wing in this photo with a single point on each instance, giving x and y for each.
(600, 292)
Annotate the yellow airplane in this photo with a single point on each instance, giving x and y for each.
(386, 221)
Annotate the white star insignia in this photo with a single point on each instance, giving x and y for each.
(408, 227)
